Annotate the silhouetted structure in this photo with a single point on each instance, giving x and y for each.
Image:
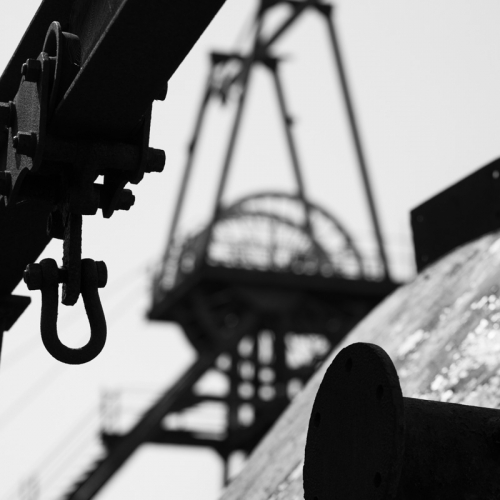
(273, 269)
(263, 292)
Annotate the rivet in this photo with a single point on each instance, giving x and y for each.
(31, 70)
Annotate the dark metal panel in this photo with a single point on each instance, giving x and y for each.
(23, 237)
(129, 66)
(145, 38)
(465, 211)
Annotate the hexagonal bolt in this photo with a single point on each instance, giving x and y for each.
(5, 183)
(33, 276)
(6, 114)
(155, 161)
(31, 70)
(127, 199)
(102, 274)
(25, 143)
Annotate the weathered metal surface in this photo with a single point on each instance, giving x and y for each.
(443, 333)
(365, 440)
(130, 49)
(355, 439)
(24, 236)
(467, 210)
(33, 38)
(128, 62)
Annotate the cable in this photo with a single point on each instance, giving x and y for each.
(71, 436)
(52, 463)
(28, 396)
(46, 379)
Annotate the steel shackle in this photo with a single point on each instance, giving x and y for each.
(46, 277)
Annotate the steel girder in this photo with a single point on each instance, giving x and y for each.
(130, 49)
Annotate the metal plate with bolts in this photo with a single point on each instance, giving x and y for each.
(459, 214)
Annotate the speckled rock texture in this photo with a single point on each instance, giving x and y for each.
(442, 332)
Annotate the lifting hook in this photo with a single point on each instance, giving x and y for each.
(46, 277)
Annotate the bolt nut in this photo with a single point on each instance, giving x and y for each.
(155, 161)
(102, 274)
(25, 143)
(127, 200)
(5, 183)
(33, 276)
(31, 70)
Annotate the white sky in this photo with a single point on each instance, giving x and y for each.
(424, 77)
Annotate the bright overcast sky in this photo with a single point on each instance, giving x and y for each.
(424, 77)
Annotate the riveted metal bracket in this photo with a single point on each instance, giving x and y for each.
(39, 163)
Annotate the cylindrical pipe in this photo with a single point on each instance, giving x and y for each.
(452, 451)
(365, 440)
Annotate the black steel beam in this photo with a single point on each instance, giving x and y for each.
(130, 50)
(183, 438)
(129, 56)
(32, 42)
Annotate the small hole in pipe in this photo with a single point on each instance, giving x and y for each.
(377, 480)
(380, 392)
